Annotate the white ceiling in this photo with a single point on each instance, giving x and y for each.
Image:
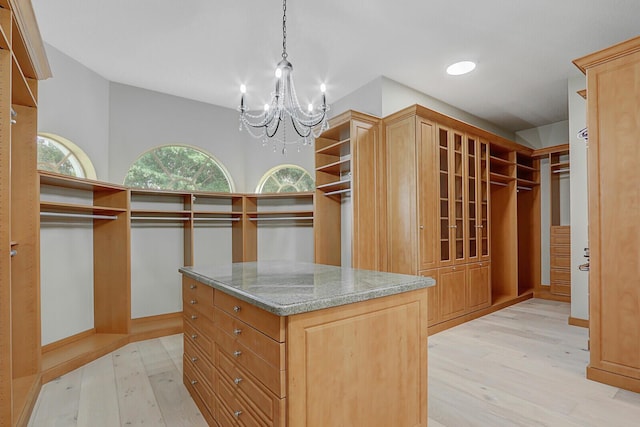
(204, 49)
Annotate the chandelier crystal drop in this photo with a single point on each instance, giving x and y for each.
(270, 124)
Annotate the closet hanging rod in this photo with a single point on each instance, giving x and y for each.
(501, 184)
(283, 218)
(216, 219)
(77, 215)
(331, 193)
(159, 218)
(524, 188)
(561, 170)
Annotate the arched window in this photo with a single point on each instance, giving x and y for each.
(178, 167)
(58, 154)
(286, 179)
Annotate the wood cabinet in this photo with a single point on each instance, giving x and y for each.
(348, 192)
(560, 260)
(438, 208)
(22, 64)
(613, 108)
(245, 366)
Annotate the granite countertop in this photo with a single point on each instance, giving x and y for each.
(286, 288)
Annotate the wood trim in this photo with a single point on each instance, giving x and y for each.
(68, 340)
(30, 33)
(583, 323)
(582, 93)
(25, 391)
(613, 379)
(477, 314)
(542, 152)
(146, 328)
(608, 54)
(544, 292)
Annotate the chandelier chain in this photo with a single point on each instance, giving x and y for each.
(284, 29)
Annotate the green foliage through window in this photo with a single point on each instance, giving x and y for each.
(54, 156)
(176, 167)
(286, 179)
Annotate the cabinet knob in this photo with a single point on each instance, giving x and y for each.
(237, 353)
(422, 227)
(192, 286)
(13, 252)
(237, 331)
(194, 336)
(194, 382)
(237, 381)
(237, 414)
(193, 301)
(194, 317)
(236, 308)
(194, 359)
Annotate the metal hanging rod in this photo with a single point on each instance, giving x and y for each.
(501, 184)
(561, 170)
(331, 193)
(13, 116)
(216, 219)
(77, 215)
(159, 218)
(524, 188)
(283, 218)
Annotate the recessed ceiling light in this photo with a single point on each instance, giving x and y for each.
(462, 67)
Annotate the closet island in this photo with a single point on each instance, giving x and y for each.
(302, 344)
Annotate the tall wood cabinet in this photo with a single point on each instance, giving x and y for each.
(613, 119)
(22, 63)
(441, 178)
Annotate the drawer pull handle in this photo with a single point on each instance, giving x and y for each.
(193, 301)
(237, 414)
(236, 308)
(194, 359)
(194, 382)
(194, 317)
(237, 331)
(192, 286)
(237, 353)
(237, 381)
(194, 336)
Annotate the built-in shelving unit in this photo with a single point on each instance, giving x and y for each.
(22, 64)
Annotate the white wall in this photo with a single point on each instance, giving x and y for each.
(366, 99)
(579, 199)
(74, 104)
(544, 136)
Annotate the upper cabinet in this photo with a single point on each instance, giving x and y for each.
(613, 120)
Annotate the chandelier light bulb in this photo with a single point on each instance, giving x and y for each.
(323, 88)
(310, 107)
(266, 107)
(243, 89)
(278, 72)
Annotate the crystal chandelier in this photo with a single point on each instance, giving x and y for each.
(270, 124)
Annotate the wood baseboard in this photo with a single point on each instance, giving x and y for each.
(146, 328)
(25, 395)
(613, 379)
(498, 305)
(66, 341)
(542, 293)
(583, 323)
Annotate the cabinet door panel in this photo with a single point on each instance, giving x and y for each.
(478, 286)
(452, 292)
(433, 298)
(428, 226)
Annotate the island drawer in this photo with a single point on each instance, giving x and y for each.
(272, 377)
(270, 350)
(262, 320)
(198, 319)
(266, 404)
(195, 382)
(195, 336)
(230, 408)
(194, 289)
(198, 360)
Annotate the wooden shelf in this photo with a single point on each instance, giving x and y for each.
(500, 161)
(21, 93)
(217, 213)
(335, 149)
(57, 207)
(498, 177)
(290, 213)
(58, 180)
(302, 195)
(161, 212)
(5, 22)
(559, 165)
(343, 165)
(527, 168)
(335, 186)
(522, 181)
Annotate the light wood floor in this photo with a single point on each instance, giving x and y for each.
(522, 366)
